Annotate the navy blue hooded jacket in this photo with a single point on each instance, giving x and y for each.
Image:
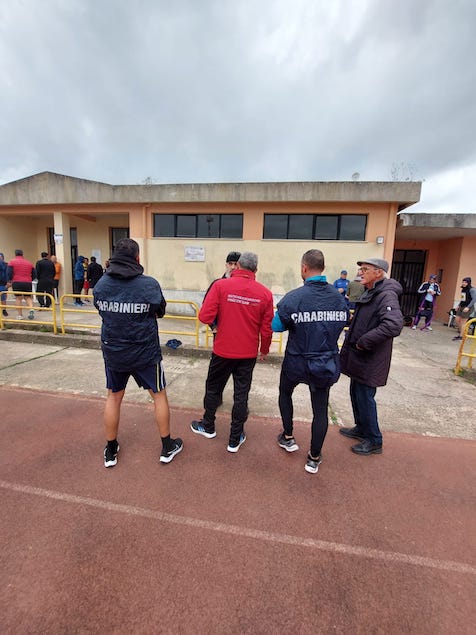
(129, 304)
(314, 315)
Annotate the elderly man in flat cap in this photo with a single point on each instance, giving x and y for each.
(367, 351)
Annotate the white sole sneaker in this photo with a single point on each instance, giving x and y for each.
(111, 462)
(235, 448)
(312, 466)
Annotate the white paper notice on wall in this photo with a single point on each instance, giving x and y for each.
(194, 254)
(58, 239)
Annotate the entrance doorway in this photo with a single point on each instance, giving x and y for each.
(116, 234)
(408, 267)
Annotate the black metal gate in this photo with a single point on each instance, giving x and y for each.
(408, 267)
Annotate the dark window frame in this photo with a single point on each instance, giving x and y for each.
(339, 228)
(222, 231)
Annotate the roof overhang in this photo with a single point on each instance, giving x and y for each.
(48, 188)
(435, 226)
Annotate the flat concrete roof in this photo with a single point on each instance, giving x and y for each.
(49, 188)
(416, 226)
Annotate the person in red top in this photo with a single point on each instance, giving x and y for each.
(20, 274)
(243, 311)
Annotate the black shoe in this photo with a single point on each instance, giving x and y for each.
(312, 465)
(289, 445)
(367, 447)
(199, 428)
(5, 314)
(233, 446)
(457, 337)
(167, 455)
(352, 433)
(110, 456)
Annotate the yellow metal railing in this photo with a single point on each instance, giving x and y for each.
(187, 318)
(65, 311)
(17, 308)
(470, 353)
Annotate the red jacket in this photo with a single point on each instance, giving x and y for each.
(243, 309)
(20, 270)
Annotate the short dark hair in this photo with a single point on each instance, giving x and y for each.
(314, 259)
(233, 256)
(18, 252)
(127, 247)
(93, 258)
(44, 254)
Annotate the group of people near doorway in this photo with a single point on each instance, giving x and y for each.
(19, 275)
(241, 308)
(85, 276)
(430, 290)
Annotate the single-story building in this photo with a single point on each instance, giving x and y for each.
(186, 230)
(444, 244)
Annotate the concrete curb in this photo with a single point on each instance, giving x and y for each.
(81, 340)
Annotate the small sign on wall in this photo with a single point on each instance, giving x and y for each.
(195, 254)
(58, 239)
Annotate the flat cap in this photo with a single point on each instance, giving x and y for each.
(376, 262)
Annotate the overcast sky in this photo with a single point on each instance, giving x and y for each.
(242, 90)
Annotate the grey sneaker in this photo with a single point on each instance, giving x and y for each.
(289, 445)
(312, 465)
(235, 448)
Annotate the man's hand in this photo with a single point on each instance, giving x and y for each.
(262, 357)
(466, 309)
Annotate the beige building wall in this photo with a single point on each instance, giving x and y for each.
(16, 233)
(278, 260)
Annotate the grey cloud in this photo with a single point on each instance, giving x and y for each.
(186, 91)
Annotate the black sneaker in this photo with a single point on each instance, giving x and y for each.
(352, 433)
(312, 465)
(289, 445)
(5, 314)
(456, 338)
(199, 428)
(167, 455)
(110, 457)
(234, 447)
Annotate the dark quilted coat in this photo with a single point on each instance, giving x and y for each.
(377, 320)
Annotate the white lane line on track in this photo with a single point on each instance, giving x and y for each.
(245, 532)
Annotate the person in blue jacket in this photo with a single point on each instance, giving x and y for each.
(315, 315)
(129, 304)
(78, 279)
(342, 284)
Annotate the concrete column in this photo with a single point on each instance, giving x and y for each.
(63, 252)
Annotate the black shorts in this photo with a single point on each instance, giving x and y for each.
(150, 378)
(21, 286)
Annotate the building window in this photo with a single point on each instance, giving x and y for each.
(198, 225)
(315, 226)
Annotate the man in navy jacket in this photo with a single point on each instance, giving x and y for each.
(314, 315)
(129, 304)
